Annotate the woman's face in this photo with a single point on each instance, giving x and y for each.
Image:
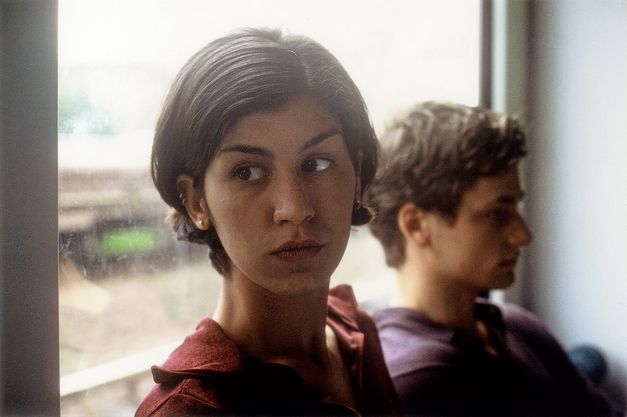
(280, 192)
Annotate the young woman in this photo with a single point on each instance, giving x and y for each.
(263, 149)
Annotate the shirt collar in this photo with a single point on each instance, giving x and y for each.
(418, 323)
(209, 351)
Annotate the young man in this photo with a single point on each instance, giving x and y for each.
(446, 201)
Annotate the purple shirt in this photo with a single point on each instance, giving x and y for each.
(441, 371)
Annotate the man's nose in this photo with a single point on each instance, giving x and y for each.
(520, 235)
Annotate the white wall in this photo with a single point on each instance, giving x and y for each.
(576, 268)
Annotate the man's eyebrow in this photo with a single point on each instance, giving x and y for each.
(256, 150)
(512, 199)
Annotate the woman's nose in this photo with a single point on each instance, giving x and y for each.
(292, 202)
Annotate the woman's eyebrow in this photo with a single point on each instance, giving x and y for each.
(320, 138)
(256, 150)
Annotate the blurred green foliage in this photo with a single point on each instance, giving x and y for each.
(77, 114)
(125, 241)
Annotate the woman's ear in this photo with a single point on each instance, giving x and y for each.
(195, 204)
(413, 225)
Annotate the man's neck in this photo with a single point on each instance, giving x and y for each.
(442, 301)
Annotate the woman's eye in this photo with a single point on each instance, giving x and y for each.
(249, 173)
(316, 164)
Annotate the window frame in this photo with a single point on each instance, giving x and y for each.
(29, 337)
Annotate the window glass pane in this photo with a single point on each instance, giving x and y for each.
(129, 291)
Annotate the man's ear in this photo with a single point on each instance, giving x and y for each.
(412, 222)
(194, 203)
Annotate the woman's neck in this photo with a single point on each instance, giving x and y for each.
(287, 329)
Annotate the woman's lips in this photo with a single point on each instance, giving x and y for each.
(298, 250)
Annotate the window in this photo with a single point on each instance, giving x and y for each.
(128, 291)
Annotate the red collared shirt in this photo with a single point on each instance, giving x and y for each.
(210, 375)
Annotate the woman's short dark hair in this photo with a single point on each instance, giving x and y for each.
(431, 156)
(236, 75)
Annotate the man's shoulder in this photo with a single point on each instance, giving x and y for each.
(520, 321)
(402, 324)
(412, 344)
(514, 312)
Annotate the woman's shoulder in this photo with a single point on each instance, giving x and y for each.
(343, 297)
(343, 311)
(207, 349)
(188, 397)
(346, 318)
(182, 380)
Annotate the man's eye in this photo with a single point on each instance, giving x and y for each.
(316, 164)
(249, 173)
(498, 215)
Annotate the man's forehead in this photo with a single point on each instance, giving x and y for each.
(502, 188)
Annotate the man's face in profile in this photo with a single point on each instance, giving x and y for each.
(481, 247)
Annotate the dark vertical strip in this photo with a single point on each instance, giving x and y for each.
(485, 70)
(29, 334)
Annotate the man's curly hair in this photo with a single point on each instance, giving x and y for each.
(431, 156)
